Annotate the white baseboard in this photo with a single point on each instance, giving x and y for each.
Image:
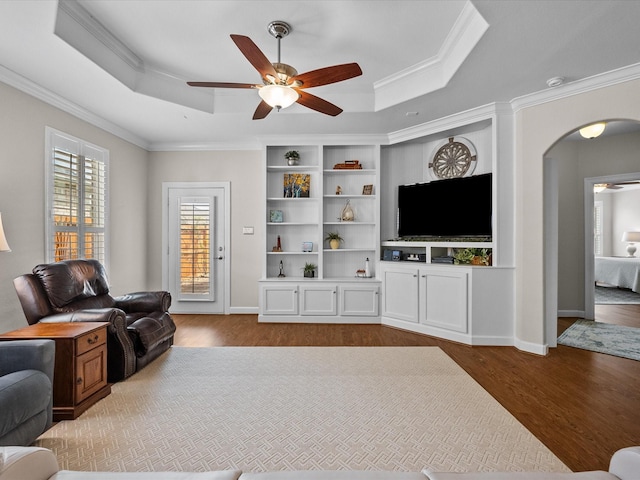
(571, 313)
(243, 310)
(538, 349)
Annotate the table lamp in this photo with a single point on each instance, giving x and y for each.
(4, 246)
(631, 238)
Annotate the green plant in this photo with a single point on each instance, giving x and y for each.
(467, 255)
(309, 267)
(292, 154)
(333, 236)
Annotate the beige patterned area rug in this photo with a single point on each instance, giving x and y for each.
(299, 408)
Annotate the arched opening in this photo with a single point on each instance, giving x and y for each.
(572, 166)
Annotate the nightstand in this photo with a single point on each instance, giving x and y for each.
(80, 374)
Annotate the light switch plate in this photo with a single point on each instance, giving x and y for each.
(247, 230)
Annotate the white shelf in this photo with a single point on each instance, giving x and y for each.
(292, 224)
(368, 171)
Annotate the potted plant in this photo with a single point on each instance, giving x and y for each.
(292, 157)
(334, 240)
(309, 269)
(473, 256)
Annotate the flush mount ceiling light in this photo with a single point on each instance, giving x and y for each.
(282, 84)
(592, 131)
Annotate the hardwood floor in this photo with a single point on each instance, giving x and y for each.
(582, 405)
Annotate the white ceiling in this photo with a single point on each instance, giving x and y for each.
(525, 44)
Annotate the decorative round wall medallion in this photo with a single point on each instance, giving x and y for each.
(454, 158)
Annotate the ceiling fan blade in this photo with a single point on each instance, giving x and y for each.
(262, 111)
(318, 104)
(255, 56)
(221, 85)
(327, 75)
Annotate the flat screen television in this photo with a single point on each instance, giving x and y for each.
(457, 207)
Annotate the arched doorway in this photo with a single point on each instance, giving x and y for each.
(572, 165)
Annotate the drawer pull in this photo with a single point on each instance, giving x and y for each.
(79, 381)
(93, 340)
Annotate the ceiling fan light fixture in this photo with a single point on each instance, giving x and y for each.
(592, 131)
(278, 96)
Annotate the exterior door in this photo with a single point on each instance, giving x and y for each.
(196, 248)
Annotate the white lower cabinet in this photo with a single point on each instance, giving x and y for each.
(320, 301)
(472, 305)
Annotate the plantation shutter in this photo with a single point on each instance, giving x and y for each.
(597, 228)
(195, 246)
(77, 199)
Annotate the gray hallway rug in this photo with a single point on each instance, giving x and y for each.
(615, 296)
(603, 338)
(299, 408)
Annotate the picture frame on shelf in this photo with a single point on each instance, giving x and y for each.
(296, 185)
(367, 190)
(307, 246)
(275, 216)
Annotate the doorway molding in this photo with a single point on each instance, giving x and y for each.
(589, 254)
(226, 187)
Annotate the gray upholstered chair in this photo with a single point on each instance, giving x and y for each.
(26, 390)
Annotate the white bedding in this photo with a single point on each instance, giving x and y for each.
(623, 272)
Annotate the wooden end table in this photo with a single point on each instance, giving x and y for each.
(80, 372)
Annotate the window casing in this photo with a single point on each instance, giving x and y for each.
(77, 206)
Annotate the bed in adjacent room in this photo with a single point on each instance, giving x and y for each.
(622, 272)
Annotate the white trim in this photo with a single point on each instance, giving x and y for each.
(244, 310)
(571, 313)
(226, 186)
(55, 138)
(589, 262)
(535, 348)
(435, 72)
(595, 82)
(30, 88)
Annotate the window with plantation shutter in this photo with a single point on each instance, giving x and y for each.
(597, 228)
(76, 198)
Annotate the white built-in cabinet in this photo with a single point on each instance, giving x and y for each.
(336, 294)
(466, 304)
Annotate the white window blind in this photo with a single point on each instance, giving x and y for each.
(195, 247)
(76, 199)
(597, 228)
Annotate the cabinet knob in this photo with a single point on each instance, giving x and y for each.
(93, 340)
(79, 381)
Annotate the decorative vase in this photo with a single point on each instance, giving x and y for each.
(334, 243)
(310, 274)
(347, 214)
(292, 161)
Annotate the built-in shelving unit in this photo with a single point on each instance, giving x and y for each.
(336, 293)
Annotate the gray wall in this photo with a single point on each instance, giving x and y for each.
(243, 169)
(577, 160)
(22, 175)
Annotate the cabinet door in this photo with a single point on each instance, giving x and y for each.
(318, 300)
(279, 300)
(400, 298)
(359, 300)
(444, 300)
(91, 372)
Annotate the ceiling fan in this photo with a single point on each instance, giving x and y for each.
(599, 187)
(282, 85)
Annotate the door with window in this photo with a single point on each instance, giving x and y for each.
(196, 247)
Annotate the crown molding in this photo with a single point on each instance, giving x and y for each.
(434, 73)
(30, 88)
(479, 115)
(595, 82)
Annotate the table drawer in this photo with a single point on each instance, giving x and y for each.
(90, 340)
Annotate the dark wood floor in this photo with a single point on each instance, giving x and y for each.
(582, 405)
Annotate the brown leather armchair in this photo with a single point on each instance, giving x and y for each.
(77, 291)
